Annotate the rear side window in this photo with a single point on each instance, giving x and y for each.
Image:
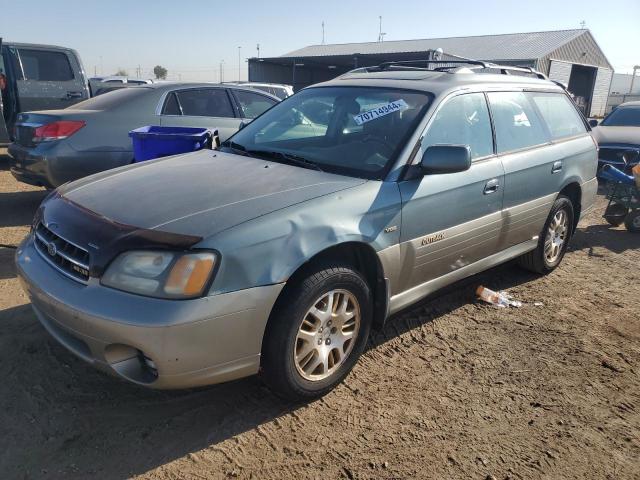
(171, 106)
(206, 102)
(253, 104)
(463, 120)
(111, 99)
(559, 114)
(42, 65)
(516, 122)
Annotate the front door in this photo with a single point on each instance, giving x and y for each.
(201, 107)
(451, 220)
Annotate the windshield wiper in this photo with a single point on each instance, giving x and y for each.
(236, 147)
(290, 158)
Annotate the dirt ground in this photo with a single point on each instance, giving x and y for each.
(449, 389)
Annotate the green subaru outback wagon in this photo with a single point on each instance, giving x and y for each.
(277, 253)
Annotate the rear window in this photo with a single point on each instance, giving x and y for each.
(111, 99)
(559, 114)
(43, 65)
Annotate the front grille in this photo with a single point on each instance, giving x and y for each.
(68, 258)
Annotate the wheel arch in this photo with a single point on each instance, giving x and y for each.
(573, 192)
(362, 258)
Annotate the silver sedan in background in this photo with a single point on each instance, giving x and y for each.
(53, 147)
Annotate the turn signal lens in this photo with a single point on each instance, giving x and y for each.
(57, 130)
(190, 274)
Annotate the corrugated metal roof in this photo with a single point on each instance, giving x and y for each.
(510, 46)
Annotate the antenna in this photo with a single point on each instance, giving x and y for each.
(583, 24)
(381, 34)
(258, 48)
(323, 32)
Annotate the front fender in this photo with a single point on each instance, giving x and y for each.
(269, 249)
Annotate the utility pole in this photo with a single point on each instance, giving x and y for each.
(222, 71)
(381, 34)
(95, 70)
(138, 71)
(258, 48)
(633, 78)
(239, 49)
(323, 32)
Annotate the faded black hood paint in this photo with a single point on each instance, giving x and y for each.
(199, 194)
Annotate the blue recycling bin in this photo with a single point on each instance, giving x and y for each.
(154, 142)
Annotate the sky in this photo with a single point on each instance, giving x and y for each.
(191, 38)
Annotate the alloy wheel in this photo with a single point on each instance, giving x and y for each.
(556, 236)
(327, 334)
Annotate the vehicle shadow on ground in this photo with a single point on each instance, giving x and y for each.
(18, 208)
(7, 267)
(614, 239)
(117, 429)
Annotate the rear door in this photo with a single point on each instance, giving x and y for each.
(49, 79)
(535, 166)
(452, 220)
(201, 107)
(252, 104)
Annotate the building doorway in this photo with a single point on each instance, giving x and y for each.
(581, 83)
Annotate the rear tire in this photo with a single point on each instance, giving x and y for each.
(553, 240)
(316, 333)
(632, 221)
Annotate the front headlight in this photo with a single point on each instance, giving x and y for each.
(161, 274)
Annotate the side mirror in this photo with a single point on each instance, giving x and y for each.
(446, 159)
(242, 125)
(593, 123)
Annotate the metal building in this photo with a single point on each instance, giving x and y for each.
(570, 56)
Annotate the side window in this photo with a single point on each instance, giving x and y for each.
(171, 106)
(463, 120)
(253, 104)
(516, 122)
(559, 114)
(206, 102)
(42, 65)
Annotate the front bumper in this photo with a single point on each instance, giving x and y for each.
(186, 343)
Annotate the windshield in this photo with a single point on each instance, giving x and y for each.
(623, 117)
(355, 131)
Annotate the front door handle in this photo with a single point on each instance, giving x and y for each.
(74, 94)
(557, 167)
(491, 186)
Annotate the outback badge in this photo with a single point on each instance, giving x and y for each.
(433, 238)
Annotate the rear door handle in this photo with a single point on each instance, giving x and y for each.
(491, 186)
(557, 167)
(74, 94)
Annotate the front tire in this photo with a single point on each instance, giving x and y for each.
(317, 332)
(553, 240)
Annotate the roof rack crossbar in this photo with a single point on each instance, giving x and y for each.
(452, 65)
(406, 63)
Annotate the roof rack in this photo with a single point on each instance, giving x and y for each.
(449, 65)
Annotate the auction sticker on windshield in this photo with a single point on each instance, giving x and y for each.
(381, 111)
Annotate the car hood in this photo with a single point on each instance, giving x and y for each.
(200, 193)
(624, 135)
